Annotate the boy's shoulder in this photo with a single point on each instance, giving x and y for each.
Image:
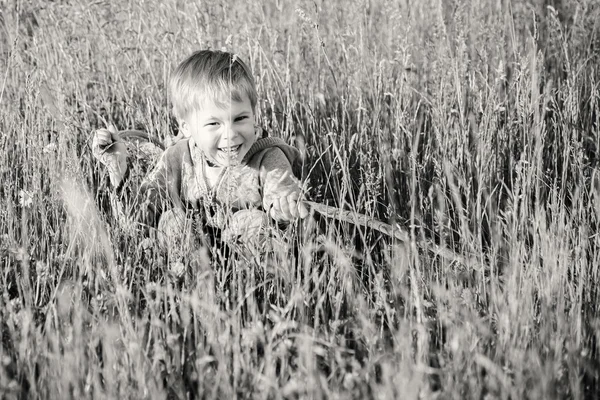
(178, 152)
(180, 147)
(262, 146)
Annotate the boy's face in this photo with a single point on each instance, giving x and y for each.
(223, 133)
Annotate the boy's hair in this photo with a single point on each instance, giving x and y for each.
(210, 75)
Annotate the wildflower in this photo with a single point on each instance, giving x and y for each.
(177, 269)
(305, 18)
(25, 199)
(42, 270)
(21, 254)
(49, 148)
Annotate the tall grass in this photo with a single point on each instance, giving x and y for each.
(472, 125)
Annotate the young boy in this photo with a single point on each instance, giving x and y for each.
(222, 172)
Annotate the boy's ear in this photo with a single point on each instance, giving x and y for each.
(184, 128)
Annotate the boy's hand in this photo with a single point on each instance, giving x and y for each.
(288, 207)
(108, 148)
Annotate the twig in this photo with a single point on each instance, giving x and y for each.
(397, 233)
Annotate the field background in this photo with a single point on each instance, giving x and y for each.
(471, 125)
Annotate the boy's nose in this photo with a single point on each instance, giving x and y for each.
(230, 133)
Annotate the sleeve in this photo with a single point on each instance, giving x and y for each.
(139, 202)
(276, 177)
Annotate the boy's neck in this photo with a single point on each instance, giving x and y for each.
(211, 173)
(210, 164)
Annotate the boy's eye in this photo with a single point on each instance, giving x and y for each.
(212, 124)
(241, 118)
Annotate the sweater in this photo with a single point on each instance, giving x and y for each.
(179, 181)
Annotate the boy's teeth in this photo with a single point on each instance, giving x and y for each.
(230, 149)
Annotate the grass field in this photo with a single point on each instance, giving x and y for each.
(470, 125)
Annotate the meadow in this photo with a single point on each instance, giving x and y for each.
(471, 126)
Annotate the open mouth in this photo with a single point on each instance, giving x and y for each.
(231, 149)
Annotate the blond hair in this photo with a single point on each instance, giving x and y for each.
(212, 75)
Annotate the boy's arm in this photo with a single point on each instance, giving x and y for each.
(140, 198)
(137, 197)
(109, 149)
(141, 202)
(282, 195)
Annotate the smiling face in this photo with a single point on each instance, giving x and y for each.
(224, 131)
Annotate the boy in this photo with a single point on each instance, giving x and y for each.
(221, 170)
